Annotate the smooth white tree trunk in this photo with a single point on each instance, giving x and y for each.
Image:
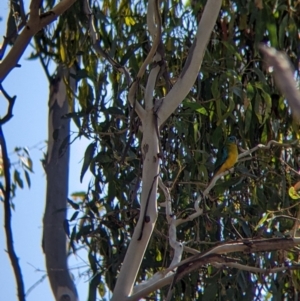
(57, 171)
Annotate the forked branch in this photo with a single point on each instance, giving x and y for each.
(193, 62)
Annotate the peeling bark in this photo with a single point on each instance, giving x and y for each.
(57, 171)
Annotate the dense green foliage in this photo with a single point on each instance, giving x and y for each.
(232, 95)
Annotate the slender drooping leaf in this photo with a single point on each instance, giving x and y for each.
(88, 156)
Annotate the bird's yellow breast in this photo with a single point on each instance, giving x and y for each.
(232, 158)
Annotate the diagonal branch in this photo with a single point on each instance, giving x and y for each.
(283, 75)
(215, 256)
(12, 28)
(35, 23)
(7, 221)
(246, 245)
(193, 63)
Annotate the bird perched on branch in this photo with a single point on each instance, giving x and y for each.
(228, 156)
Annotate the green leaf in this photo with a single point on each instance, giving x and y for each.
(66, 227)
(73, 204)
(17, 179)
(80, 74)
(210, 292)
(282, 31)
(272, 29)
(248, 118)
(72, 238)
(114, 111)
(88, 156)
(79, 194)
(215, 89)
(196, 130)
(129, 21)
(75, 214)
(293, 193)
(203, 172)
(62, 53)
(26, 150)
(101, 289)
(260, 75)
(26, 162)
(238, 91)
(258, 108)
(267, 105)
(195, 106)
(27, 177)
(228, 111)
(73, 234)
(232, 51)
(262, 221)
(33, 56)
(158, 256)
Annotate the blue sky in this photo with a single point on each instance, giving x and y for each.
(28, 128)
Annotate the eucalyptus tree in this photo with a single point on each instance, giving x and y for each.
(192, 111)
(157, 103)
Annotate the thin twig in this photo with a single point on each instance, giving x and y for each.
(11, 102)
(181, 168)
(250, 269)
(22, 10)
(42, 60)
(7, 221)
(135, 84)
(36, 284)
(289, 167)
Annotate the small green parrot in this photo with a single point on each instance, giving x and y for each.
(228, 156)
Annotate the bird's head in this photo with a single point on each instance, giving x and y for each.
(231, 140)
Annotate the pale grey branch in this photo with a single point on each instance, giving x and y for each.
(284, 76)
